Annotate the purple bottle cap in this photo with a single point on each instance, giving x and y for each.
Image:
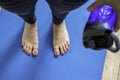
(104, 14)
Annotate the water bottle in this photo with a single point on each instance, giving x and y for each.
(99, 32)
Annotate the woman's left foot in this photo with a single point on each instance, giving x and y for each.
(61, 40)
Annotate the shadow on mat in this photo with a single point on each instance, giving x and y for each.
(11, 51)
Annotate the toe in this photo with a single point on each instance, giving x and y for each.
(27, 50)
(56, 51)
(24, 47)
(30, 50)
(35, 50)
(68, 43)
(62, 50)
(66, 46)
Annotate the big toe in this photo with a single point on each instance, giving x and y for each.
(35, 51)
(56, 51)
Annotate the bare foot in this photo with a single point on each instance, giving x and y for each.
(30, 39)
(61, 40)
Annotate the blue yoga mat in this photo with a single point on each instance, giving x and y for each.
(78, 64)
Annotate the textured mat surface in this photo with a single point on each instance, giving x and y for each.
(78, 64)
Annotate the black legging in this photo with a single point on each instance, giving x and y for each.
(61, 8)
(23, 8)
(26, 8)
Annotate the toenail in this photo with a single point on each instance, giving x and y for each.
(62, 54)
(35, 53)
